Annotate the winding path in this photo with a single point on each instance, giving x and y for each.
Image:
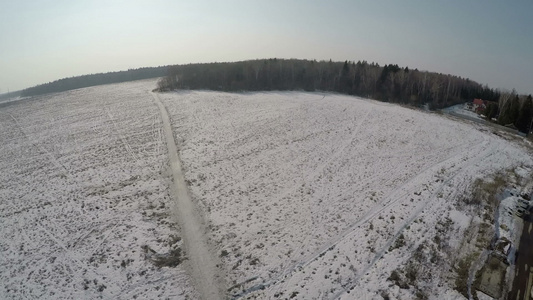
(203, 268)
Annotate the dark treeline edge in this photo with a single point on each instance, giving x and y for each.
(77, 82)
(389, 83)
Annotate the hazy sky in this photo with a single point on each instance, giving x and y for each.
(489, 41)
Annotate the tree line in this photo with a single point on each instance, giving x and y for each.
(10, 95)
(389, 83)
(77, 82)
(512, 110)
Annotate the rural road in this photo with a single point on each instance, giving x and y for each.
(480, 121)
(524, 266)
(203, 268)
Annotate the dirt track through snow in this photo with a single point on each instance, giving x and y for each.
(203, 268)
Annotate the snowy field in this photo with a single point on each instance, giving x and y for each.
(305, 195)
(82, 192)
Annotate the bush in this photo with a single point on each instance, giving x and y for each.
(394, 276)
(411, 273)
(400, 242)
(420, 295)
(463, 269)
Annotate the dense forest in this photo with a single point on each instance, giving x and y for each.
(512, 110)
(389, 83)
(77, 82)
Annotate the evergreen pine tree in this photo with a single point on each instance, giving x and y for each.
(491, 111)
(524, 118)
(514, 110)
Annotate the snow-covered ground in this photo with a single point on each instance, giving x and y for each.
(10, 101)
(306, 195)
(81, 193)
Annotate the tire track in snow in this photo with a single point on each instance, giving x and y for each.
(485, 154)
(52, 158)
(320, 169)
(203, 269)
(80, 272)
(317, 172)
(127, 146)
(53, 237)
(56, 240)
(340, 150)
(388, 201)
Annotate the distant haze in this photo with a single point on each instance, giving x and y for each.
(490, 42)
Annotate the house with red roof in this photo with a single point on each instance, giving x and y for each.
(478, 105)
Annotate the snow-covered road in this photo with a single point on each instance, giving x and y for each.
(202, 262)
